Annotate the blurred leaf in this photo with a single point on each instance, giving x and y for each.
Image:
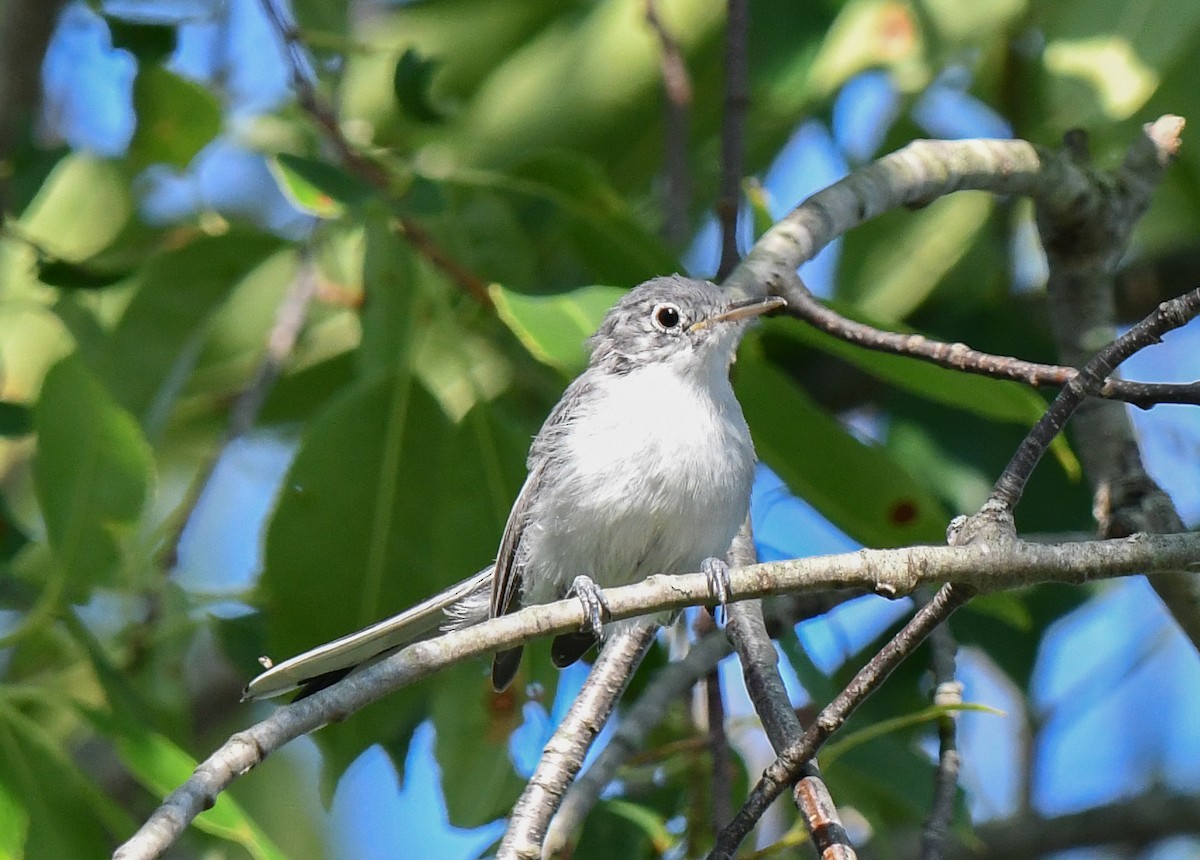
(304, 393)
(14, 825)
(619, 828)
(413, 86)
(598, 223)
(92, 473)
(154, 347)
(74, 276)
(1006, 607)
(80, 209)
(994, 399)
(846, 742)
(478, 780)
(857, 486)
(16, 419)
(160, 767)
(322, 16)
(388, 316)
(35, 766)
(868, 34)
(12, 539)
(149, 43)
(554, 328)
(386, 503)
(317, 187)
(893, 278)
(176, 118)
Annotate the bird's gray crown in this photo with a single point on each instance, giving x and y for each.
(657, 320)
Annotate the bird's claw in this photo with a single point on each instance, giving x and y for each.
(595, 606)
(716, 571)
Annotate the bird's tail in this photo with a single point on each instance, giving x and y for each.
(458, 606)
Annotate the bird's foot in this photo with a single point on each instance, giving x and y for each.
(595, 606)
(716, 571)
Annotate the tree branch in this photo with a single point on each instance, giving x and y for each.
(369, 171)
(789, 764)
(747, 630)
(947, 692)
(677, 87)
(1083, 247)
(564, 754)
(630, 735)
(917, 174)
(733, 144)
(888, 572)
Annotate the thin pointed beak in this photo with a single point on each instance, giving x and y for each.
(740, 311)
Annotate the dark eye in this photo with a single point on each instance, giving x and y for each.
(666, 316)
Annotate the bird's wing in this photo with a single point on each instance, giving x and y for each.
(342, 655)
(506, 582)
(542, 460)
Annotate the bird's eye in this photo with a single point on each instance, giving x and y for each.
(666, 317)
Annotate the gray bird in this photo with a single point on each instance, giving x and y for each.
(643, 467)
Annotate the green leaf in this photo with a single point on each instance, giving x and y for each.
(149, 43)
(857, 486)
(92, 473)
(14, 825)
(478, 780)
(412, 84)
(598, 223)
(993, 399)
(154, 347)
(76, 276)
(81, 208)
(35, 766)
(160, 766)
(554, 328)
(618, 828)
(832, 752)
(894, 277)
(386, 503)
(176, 118)
(317, 187)
(388, 316)
(1006, 607)
(16, 419)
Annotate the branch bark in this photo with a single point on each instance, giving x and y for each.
(891, 573)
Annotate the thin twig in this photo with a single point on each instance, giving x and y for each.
(787, 767)
(281, 340)
(1169, 315)
(717, 740)
(564, 754)
(747, 631)
(802, 304)
(733, 131)
(631, 733)
(677, 87)
(947, 692)
(365, 168)
(890, 572)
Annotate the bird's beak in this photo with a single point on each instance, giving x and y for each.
(740, 311)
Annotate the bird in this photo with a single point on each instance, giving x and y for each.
(644, 466)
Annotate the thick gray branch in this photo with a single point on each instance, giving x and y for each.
(563, 755)
(888, 572)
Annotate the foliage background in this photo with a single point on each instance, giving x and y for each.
(168, 197)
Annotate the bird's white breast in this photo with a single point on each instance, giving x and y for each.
(654, 477)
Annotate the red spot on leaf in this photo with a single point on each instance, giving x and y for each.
(902, 513)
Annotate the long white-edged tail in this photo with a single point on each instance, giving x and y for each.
(341, 656)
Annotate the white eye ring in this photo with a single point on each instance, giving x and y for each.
(665, 316)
